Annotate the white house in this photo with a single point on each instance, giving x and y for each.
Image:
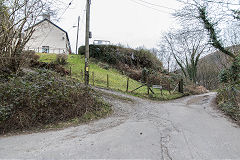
(49, 38)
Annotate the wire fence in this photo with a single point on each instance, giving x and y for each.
(125, 84)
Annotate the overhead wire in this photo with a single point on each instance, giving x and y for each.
(57, 20)
(157, 5)
(83, 11)
(227, 3)
(149, 7)
(211, 1)
(65, 9)
(82, 21)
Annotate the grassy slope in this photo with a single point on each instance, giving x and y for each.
(117, 81)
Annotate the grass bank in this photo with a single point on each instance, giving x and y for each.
(117, 81)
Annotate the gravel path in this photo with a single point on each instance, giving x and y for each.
(187, 128)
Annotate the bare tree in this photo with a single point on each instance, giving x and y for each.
(215, 17)
(17, 16)
(186, 47)
(166, 57)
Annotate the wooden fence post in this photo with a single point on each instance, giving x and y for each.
(127, 84)
(161, 89)
(148, 87)
(180, 86)
(93, 77)
(169, 88)
(107, 81)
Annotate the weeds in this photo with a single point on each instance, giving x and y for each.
(42, 98)
(61, 59)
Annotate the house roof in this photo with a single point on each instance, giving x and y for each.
(53, 25)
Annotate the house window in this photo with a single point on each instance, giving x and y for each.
(45, 49)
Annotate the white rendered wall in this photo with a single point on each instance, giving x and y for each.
(46, 34)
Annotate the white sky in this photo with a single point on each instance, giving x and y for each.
(120, 21)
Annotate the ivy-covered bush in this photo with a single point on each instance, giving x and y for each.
(232, 74)
(228, 96)
(40, 98)
(117, 55)
(228, 99)
(168, 81)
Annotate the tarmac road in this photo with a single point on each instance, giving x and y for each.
(187, 128)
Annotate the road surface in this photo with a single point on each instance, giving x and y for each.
(184, 129)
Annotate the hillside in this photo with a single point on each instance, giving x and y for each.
(38, 98)
(117, 80)
(129, 61)
(211, 65)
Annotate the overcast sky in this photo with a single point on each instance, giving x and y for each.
(129, 22)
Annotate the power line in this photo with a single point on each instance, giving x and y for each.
(82, 15)
(227, 3)
(57, 20)
(65, 10)
(210, 1)
(157, 5)
(150, 7)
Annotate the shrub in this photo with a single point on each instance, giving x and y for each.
(52, 66)
(10, 65)
(135, 74)
(232, 74)
(41, 98)
(228, 99)
(115, 55)
(27, 57)
(104, 65)
(195, 90)
(61, 59)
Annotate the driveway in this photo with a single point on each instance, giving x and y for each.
(187, 128)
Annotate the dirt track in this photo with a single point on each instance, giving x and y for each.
(188, 128)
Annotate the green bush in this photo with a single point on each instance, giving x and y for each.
(228, 96)
(116, 55)
(232, 74)
(228, 99)
(41, 98)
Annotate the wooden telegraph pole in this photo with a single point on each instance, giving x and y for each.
(87, 43)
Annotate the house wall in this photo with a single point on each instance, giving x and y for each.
(50, 36)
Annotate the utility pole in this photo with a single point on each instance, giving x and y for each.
(77, 35)
(87, 43)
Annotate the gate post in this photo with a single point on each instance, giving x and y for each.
(180, 86)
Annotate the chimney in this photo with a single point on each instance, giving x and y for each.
(46, 16)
